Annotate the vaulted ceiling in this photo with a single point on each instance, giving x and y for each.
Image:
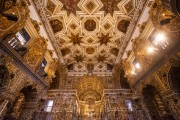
(89, 33)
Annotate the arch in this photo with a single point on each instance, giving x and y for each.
(30, 96)
(26, 91)
(89, 85)
(123, 80)
(154, 103)
(4, 76)
(55, 81)
(174, 78)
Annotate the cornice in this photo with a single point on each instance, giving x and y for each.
(141, 5)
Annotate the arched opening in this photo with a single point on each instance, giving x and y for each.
(123, 80)
(174, 78)
(29, 102)
(4, 76)
(55, 81)
(18, 108)
(154, 104)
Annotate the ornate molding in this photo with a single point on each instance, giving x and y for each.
(36, 52)
(19, 10)
(139, 8)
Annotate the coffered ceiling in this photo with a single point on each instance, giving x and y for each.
(89, 33)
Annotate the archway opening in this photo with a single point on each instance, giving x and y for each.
(28, 104)
(174, 78)
(123, 80)
(55, 81)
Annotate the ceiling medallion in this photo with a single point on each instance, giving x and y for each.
(90, 50)
(90, 25)
(123, 25)
(90, 6)
(56, 25)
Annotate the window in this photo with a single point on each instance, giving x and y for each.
(41, 71)
(152, 36)
(49, 106)
(158, 38)
(129, 105)
(23, 36)
(43, 64)
(136, 64)
(19, 40)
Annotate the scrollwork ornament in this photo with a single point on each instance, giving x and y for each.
(13, 17)
(36, 52)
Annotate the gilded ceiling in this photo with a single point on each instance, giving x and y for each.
(89, 31)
